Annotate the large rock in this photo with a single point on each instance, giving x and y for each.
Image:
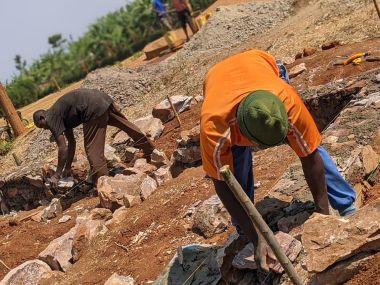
(162, 175)
(163, 110)
(297, 70)
(122, 138)
(286, 224)
(152, 127)
(245, 258)
(158, 158)
(30, 273)
(111, 190)
(210, 217)
(329, 239)
(143, 166)
(197, 263)
(370, 159)
(110, 154)
(58, 253)
(188, 155)
(148, 186)
(51, 211)
(117, 279)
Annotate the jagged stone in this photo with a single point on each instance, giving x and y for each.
(162, 175)
(122, 138)
(117, 279)
(35, 181)
(151, 126)
(143, 166)
(30, 272)
(286, 224)
(148, 186)
(51, 211)
(111, 190)
(370, 159)
(329, 239)
(188, 155)
(158, 158)
(100, 214)
(118, 217)
(64, 219)
(210, 218)
(245, 258)
(342, 271)
(197, 263)
(164, 112)
(129, 153)
(110, 153)
(131, 200)
(297, 70)
(58, 253)
(52, 278)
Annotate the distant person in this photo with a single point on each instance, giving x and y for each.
(95, 110)
(185, 13)
(162, 13)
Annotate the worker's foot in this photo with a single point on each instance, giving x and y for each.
(348, 211)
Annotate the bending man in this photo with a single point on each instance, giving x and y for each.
(247, 104)
(95, 110)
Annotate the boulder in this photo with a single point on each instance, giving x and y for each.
(58, 253)
(329, 239)
(117, 279)
(163, 109)
(286, 224)
(194, 262)
(143, 166)
(30, 272)
(110, 153)
(148, 186)
(162, 175)
(152, 127)
(245, 258)
(35, 181)
(122, 138)
(158, 158)
(111, 190)
(297, 70)
(210, 218)
(370, 159)
(118, 217)
(188, 155)
(51, 211)
(101, 214)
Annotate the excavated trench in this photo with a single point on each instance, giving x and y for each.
(21, 195)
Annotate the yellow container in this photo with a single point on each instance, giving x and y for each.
(171, 39)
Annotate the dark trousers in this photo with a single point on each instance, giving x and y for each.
(94, 133)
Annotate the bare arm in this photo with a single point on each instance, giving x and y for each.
(62, 155)
(71, 144)
(314, 172)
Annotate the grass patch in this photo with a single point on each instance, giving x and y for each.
(5, 147)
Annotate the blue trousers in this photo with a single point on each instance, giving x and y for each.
(340, 194)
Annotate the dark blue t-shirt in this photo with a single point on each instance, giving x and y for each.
(159, 7)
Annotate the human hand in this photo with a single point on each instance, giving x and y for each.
(263, 254)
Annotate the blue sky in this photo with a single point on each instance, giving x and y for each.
(25, 25)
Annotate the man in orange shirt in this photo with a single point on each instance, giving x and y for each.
(247, 104)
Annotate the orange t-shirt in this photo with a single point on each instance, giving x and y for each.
(226, 85)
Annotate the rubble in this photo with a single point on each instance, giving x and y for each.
(329, 239)
(210, 217)
(152, 127)
(143, 166)
(164, 112)
(117, 279)
(245, 258)
(188, 149)
(297, 70)
(158, 158)
(30, 272)
(162, 175)
(198, 262)
(51, 211)
(122, 138)
(148, 186)
(58, 253)
(64, 219)
(112, 190)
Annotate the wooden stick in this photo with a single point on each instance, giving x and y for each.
(6, 266)
(174, 110)
(122, 246)
(259, 223)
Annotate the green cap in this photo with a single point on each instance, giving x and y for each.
(262, 118)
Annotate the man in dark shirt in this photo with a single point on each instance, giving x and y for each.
(95, 110)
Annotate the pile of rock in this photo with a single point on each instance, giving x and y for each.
(188, 150)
